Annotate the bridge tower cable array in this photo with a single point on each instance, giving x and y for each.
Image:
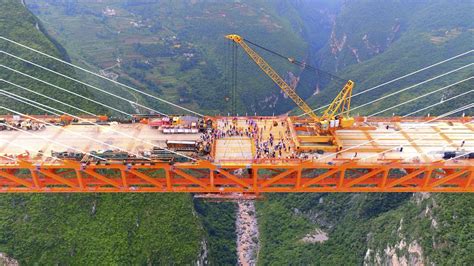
(85, 84)
(67, 91)
(467, 107)
(95, 124)
(421, 96)
(100, 76)
(401, 77)
(207, 176)
(49, 98)
(413, 86)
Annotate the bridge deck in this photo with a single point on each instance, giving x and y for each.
(420, 142)
(87, 138)
(419, 167)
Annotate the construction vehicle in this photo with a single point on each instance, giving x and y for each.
(323, 127)
(25, 125)
(74, 156)
(182, 145)
(163, 155)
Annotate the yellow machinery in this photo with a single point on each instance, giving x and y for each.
(335, 116)
(274, 76)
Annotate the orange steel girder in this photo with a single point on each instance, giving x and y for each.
(254, 178)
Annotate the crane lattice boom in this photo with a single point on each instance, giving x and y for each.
(290, 92)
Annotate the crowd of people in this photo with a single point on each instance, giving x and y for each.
(268, 144)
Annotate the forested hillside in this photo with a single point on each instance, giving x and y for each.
(176, 50)
(17, 23)
(88, 228)
(373, 42)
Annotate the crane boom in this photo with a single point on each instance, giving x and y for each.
(287, 89)
(341, 105)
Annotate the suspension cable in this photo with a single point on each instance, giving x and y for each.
(100, 76)
(421, 96)
(2, 92)
(399, 78)
(423, 123)
(71, 92)
(49, 98)
(112, 130)
(84, 83)
(411, 87)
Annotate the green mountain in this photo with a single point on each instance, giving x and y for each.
(176, 50)
(418, 228)
(17, 23)
(86, 228)
(373, 42)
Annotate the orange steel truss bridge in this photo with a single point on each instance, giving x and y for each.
(258, 177)
(333, 154)
(393, 172)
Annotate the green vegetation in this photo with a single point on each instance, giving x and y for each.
(177, 49)
(218, 220)
(105, 229)
(357, 222)
(396, 38)
(17, 23)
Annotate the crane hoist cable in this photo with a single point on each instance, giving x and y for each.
(273, 75)
(299, 63)
(234, 78)
(340, 105)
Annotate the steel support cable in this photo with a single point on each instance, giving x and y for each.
(83, 83)
(468, 106)
(456, 157)
(112, 130)
(70, 92)
(2, 92)
(102, 77)
(234, 78)
(51, 140)
(411, 87)
(298, 63)
(49, 98)
(29, 102)
(421, 96)
(419, 110)
(12, 142)
(399, 78)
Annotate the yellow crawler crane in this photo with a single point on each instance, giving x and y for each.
(274, 76)
(339, 108)
(334, 117)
